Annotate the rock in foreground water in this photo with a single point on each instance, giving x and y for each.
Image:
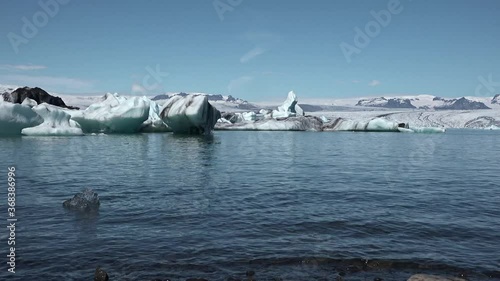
(100, 275)
(85, 201)
(424, 277)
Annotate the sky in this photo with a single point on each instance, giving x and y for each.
(252, 49)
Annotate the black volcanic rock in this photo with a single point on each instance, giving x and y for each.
(36, 94)
(86, 201)
(100, 275)
(463, 104)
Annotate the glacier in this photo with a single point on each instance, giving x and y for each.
(190, 114)
(56, 122)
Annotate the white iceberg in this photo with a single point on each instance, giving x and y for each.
(56, 122)
(423, 130)
(191, 114)
(289, 108)
(492, 127)
(15, 117)
(373, 125)
(115, 114)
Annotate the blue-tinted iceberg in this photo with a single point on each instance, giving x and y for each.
(15, 117)
(115, 114)
(190, 114)
(154, 124)
(56, 122)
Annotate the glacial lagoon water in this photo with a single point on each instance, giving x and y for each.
(289, 205)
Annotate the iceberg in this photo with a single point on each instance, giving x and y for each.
(154, 124)
(373, 125)
(289, 108)
(15, 117)
(301, 123)
(191, 114)
(423, 130)
(115, 114)
(492, 127)
(56, 122)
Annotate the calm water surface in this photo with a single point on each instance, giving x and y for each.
(290, 205)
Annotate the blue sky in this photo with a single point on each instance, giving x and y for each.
(253, 49)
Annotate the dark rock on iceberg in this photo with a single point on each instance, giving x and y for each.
(36, 94)
(87, 201)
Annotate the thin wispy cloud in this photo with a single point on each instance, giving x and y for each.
(21, 67)
(374, 83)
(49, 83)
(255, 52)
(356, 81)
(263, 42)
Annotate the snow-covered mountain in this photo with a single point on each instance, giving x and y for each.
(425, 102)
(387, 103)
